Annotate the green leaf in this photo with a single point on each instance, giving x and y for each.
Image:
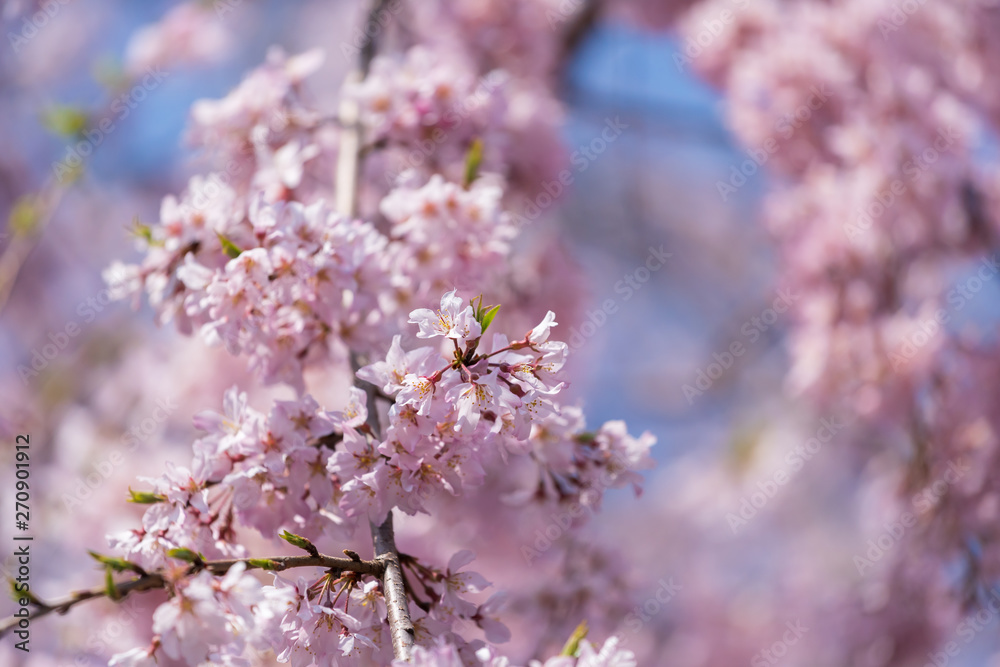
(109, 584)
(14, 593)
(300, 542)
(473, 159)
(483, 315)
(24, 216)
(573, 643)
(143, 231)
(186, 555)
(488, 316)
(144, 497)
(116, 564)
(65, 121)
(228, 246)
(264, 563)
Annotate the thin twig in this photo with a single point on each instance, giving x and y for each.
(153, 581)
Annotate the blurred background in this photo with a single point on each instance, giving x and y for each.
(663, 357)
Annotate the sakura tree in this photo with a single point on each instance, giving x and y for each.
(348, 250)
(364, 313)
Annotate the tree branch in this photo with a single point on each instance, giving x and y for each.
(349, 155)
(144, 583)
(383, 536)
(346, 193)
(154, 581)
(394, 589)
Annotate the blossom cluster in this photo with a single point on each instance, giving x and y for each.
(587, 655)
(271, 286)
(251, 257)
(305, 468)
(428, 110)
(213, 619)
(886, 217)
(320, 474)
(336, 617)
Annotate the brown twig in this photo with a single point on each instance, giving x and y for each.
(154, 580)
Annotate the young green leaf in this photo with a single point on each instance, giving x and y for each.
(573, 643)
(15, 594)
(473, 159)
(488, 316)
(109, 584)
(185, 555)
(116, 564)
(144, 497)
(230, 248)
(65, 121)
(264, 563)
(24, 215)
(143, 231)
(300, 542)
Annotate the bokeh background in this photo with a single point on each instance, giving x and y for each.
(656, 186)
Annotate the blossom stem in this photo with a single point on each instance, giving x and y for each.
(154, 580)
